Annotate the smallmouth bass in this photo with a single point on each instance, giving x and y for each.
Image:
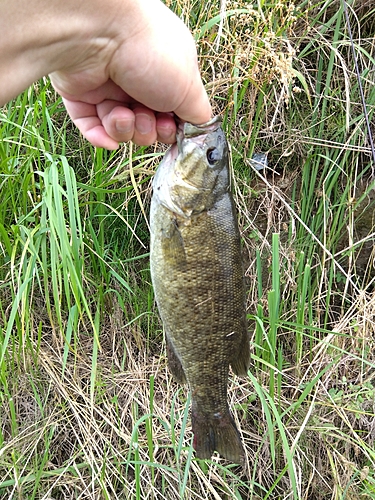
(197, 275)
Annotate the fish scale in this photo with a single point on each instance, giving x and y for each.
(197, 275)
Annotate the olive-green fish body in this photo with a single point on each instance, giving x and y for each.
(197, 276)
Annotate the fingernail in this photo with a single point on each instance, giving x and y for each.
(124, 126)
(143, 123)
(167, 135)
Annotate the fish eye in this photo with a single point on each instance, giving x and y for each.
(213, 156)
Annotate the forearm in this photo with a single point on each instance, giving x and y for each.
(42, 36)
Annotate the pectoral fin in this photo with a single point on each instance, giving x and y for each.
(173, 246)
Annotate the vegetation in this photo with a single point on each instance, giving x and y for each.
(88, 408)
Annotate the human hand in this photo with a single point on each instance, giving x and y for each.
(130, 87)
(123, 67)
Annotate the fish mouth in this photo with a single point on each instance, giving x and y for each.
(188, 130)
(172, 152)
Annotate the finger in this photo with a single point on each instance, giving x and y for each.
(124, 124)
(118, 120)
(140, 124)
(110, 122)
(85, 118)
(166, 128)
(144, 126)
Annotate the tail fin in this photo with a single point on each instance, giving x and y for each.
(217, 432)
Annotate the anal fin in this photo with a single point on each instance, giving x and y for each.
(174, 363)
(241, 361)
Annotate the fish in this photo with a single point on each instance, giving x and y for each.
(198, 281)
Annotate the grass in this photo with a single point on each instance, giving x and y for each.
(88, 408)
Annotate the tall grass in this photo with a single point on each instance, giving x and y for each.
(88, 408)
